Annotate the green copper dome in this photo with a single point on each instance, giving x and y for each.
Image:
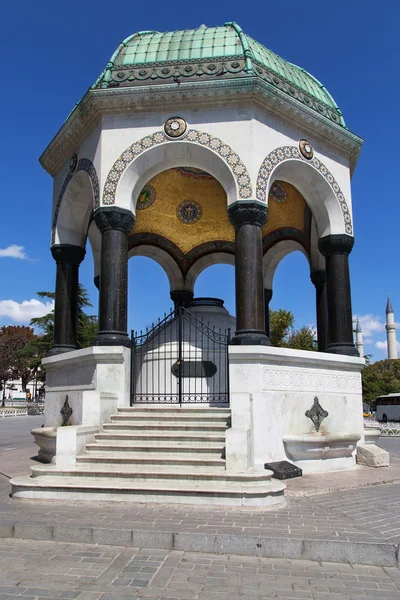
(209, 53)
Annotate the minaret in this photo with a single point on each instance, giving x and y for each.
(390, 331)
(359, 339)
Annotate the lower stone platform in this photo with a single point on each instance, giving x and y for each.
(155, 455)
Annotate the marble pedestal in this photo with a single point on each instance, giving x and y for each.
(96, 381)
(273, 388)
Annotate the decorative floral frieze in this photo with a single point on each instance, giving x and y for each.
(232, 159)
(176, 70)
(284, 153)
(84, 164)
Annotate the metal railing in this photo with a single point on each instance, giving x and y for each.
(180, 360)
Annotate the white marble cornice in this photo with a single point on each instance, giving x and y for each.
(233, 93)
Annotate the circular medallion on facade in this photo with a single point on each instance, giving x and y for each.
(175, 127)
(278, 192)
(73, 163)
(306, 149)
(188, 212)
(146, 197)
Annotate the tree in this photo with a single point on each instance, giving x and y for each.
(284, 335)
(14, 363)
(281, 323)
(380, 378)
(303, 339)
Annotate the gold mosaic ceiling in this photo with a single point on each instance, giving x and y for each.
(188, 207)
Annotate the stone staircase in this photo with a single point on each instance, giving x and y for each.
(155, 454)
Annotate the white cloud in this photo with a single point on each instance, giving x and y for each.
(13, 251)
(383, 346)
(370, 324)
(23, 312)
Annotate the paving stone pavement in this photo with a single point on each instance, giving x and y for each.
(359, 526)
(60, 571)
(366, 514)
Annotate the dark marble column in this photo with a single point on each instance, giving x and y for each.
(114, 224)
(248, 218)
(68, 259)
(267, 300)
(96, 281)
(319, 280)
(181, 298)
(336, 249)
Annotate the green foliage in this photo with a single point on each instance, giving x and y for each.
(284, 335)
(303, 339)
(380, 378)
(14, 363)
(281, 324)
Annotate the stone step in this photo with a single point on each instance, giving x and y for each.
(165, 426)
(162, 437)
(174, 409)
(76, 488)
(154, 461)
(195, 448)
(175, 476)
(187, 417)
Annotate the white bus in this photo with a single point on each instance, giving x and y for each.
(388, 408)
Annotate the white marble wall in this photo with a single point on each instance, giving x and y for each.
(272, 388)
(96, 380)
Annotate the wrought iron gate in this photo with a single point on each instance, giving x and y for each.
(180, 360)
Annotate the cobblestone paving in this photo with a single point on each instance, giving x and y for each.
(58, 571)
(367, 514)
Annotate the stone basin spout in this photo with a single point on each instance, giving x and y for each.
(309, 451)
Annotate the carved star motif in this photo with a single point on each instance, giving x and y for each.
(316, 413)
(66, 412)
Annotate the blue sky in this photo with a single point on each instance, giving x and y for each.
(52, 52)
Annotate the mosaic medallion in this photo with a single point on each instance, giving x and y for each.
(73, 163)
(146, 197)
(175, 127)
(188, 212)
(306, 149)
(278, 192)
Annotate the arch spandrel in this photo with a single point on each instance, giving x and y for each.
(157, 152)
(314, 181)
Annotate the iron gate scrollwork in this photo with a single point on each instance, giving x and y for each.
(180, 360)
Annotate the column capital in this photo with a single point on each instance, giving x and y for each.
(68, 253)
(181, 297)
(267, 294)
(114, 217)
(247, 212)
(318, 278)
(336, 244)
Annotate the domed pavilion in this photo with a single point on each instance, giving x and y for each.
(193, 148)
